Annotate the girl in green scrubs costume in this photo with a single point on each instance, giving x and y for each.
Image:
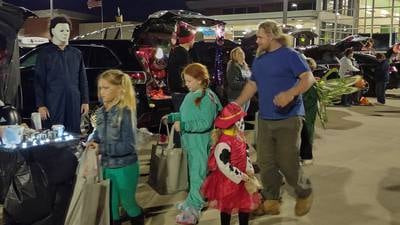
(195, 121)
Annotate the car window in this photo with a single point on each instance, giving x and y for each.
(126, 54)
(30, 59)
(85, 50)
(102, 57)
(133, 60)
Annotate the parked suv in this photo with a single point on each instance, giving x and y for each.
(98, 55)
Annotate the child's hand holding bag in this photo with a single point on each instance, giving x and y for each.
(252, 184)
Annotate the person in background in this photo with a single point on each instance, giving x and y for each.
(393, 57)
(310, 101)
(346, 69)
(393, 54)
(237, 74)
(60, 82)
(179, 57)
(115, 137)
(199, 52)
(381, 77)
(368, 47)
(280, 75)
(195, 121)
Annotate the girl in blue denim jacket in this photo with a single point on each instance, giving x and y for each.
(114, 137)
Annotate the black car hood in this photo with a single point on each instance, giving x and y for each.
(354, 41)
(163, 22)
(303, 33)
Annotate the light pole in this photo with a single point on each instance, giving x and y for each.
(285, 12)
(336, 11)
(391, 25)
(51, 9)
(372, 19)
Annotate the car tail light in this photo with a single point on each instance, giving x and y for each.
(138, 77)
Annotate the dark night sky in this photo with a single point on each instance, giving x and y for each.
(131, 9)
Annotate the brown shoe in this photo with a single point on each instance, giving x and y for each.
(259, 211)
(272, 207)
(303, 205)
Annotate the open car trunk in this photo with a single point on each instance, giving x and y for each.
(160, 25)
(11, 20)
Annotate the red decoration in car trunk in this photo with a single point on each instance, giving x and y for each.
(156, 68)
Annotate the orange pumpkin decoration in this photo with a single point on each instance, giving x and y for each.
(360, 84)
(364, 101)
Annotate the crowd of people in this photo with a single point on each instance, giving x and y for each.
(212, 135)
(198, 112)
(348, 67)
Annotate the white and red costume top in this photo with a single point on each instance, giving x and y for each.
(224, 187)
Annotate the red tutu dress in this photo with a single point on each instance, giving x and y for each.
(220, 191)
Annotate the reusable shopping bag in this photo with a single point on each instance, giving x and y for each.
(253, 185)
(168, 167)
(90, 203)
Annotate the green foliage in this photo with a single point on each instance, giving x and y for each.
(330, 92)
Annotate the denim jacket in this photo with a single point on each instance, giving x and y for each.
(116, 136)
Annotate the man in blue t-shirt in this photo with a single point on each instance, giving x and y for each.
(280, 75)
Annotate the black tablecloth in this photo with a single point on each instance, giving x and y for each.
(58, 164)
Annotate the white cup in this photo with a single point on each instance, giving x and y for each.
(37, 121)
(59, 128)
(12, 134)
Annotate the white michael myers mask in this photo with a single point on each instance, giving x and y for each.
(60, 34)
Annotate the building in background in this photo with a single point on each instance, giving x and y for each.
(39, 27)
(332, 20)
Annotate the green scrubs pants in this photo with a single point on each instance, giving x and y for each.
(124, 182)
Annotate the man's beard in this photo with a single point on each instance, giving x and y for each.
(261, 50)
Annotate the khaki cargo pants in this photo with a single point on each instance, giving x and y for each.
(278, 147)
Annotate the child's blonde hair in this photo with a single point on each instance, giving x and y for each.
(119, 78)
(217, 132)
(199, 72)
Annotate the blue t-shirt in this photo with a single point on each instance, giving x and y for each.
(275, 72)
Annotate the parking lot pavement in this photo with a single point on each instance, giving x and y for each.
(355, 174)
(160, 209)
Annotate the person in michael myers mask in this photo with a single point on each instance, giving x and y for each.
(61, 87)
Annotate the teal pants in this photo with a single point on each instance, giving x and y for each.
(197, 147)
(124, 182)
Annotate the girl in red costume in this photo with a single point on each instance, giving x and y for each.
(230, 167)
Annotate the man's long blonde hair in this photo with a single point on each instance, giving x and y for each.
(270, 26)
(216, 133)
